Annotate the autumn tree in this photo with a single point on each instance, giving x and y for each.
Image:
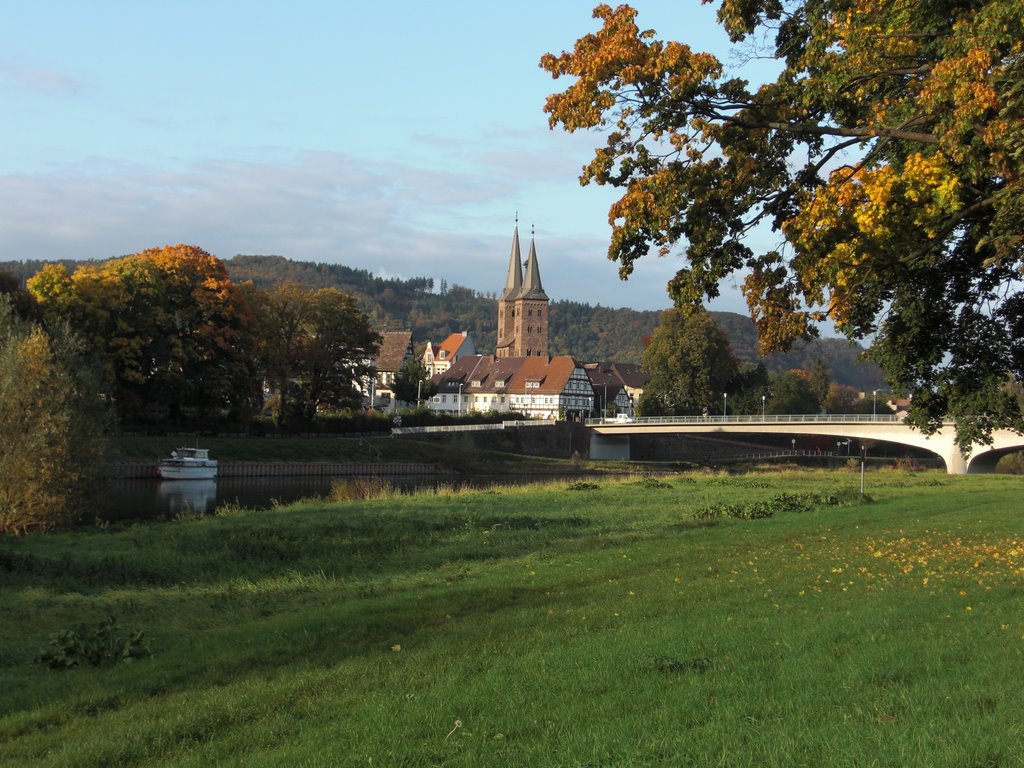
(52, 422)
(690, 364)
(845, 399)
(886, 155)
(170, 328)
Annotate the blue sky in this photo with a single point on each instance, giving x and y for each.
(399, 137)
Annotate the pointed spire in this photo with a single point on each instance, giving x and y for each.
(514, 281)
(532, 289)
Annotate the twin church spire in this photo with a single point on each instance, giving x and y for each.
(523, 306)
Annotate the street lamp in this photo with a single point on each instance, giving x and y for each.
(725, 405)
(460, 398)
(792, 445)
(874, 410)
(419, 384)
(762, 407)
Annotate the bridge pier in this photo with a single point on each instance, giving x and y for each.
(609, 447)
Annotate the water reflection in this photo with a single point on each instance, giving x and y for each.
(187, 497)
(151, 499)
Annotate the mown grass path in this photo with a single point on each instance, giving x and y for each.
(625, 623)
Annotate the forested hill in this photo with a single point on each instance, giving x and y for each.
(589, 333)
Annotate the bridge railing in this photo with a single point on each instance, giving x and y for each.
(795, 418)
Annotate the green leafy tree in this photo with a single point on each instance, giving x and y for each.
(690, 363)
(21, 301)
(52, 422)
(791, 392)
(413, 382)
(888, 154)
(748, 388)
(315, 346)
(819, 380)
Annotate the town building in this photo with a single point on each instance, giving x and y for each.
(438, 358)
(617, 386)
(395, 350)
(538, 387)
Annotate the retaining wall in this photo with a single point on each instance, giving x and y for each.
(133, 469)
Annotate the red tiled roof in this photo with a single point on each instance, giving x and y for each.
(451, 346)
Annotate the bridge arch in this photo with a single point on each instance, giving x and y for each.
(609, 438)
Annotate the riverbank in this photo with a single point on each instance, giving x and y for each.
(137, 456)
(760, 619)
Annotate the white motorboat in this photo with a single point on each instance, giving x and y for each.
(188, 464)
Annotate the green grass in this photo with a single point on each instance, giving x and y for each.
(616, 623)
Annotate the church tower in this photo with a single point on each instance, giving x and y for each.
(523, 307)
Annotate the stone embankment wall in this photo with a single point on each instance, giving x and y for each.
(134, 469)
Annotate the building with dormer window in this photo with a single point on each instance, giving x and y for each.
(439, 358)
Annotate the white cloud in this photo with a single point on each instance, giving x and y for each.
(388, 218)
(44, 82)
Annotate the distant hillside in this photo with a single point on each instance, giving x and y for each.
(589, 333)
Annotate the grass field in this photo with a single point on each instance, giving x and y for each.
(767, 619)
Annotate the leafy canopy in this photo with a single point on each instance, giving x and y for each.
(886, 156)
(691, 366)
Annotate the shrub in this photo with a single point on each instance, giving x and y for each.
(96, 645)
(358, 488)
(51, 428)
(781, 504)
(652, 482)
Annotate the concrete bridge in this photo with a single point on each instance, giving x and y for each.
(610, 437)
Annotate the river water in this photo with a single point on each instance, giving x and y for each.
(153, 499)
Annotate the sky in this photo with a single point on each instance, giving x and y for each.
(399, 137)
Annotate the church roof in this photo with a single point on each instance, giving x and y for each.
(532, 289)
(514, 281)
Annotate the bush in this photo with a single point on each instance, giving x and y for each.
(361, 488)
(781, 504)
(51, 428)
(96, 645)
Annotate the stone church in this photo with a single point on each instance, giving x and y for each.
(523, 307)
